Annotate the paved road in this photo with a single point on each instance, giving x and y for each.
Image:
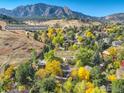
(25, 27)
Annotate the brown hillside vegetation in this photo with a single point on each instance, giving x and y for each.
(15, 47)
(61, 23)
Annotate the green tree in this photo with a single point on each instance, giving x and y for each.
(97, 77)
(48, 85)
(120, 54)
(85, 57)
(80, 87)
(36, 35)
(68, 85)
(25, 73)
(97, 59)
(58, 40)
(49, 55)
(118, 86)
(33, 58)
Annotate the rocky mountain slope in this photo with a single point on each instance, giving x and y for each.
(118, 18)
(41, 10)
(45, 11)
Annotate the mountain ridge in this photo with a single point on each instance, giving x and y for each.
(44, 11)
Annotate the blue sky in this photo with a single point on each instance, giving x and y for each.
(89, 7)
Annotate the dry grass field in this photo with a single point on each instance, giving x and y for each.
(61, 23)
(15, 47)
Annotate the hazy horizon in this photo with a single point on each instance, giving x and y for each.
(89, 7)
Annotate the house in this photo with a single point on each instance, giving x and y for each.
(116, 43)
(105, 53)
(66, 55)
(41, 63)
(106, 40)
(120, 71)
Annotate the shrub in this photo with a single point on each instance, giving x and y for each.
(85, 57)
(83, 73)
(112, 77)
(68, 85)
(24, 73)
(53, 67)
(120, 54)
(41, 73)
(99, 90)
(97, 77)
(74, 73)
(112, 51)
(79, 87)
(48, 85)
(118, 86)
(9, 72)
(49, 56)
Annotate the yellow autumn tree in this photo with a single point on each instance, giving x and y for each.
(90, 90)
(113, 28)
(80, 87)
(74, 73)
(83, 73)
(41, 73)
(9, 72)
(89, 87)
(21, 88)
(1, 77)
(68, 85)
(53, 67)
(51, 32)
(89, 34)
(112, 51)
(59, 30)
(112, 77)
(80, 39)
(59, 87)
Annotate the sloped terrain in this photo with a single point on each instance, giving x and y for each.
(15, 47)
(118, 18)
(61, 23)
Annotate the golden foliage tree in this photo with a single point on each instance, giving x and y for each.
(53, 67)
(41, 73)
(9, 72)
(83, 73)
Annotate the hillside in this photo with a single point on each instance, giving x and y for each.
(87, 56)
(16, 47)
(60, 23)
(118, 17)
